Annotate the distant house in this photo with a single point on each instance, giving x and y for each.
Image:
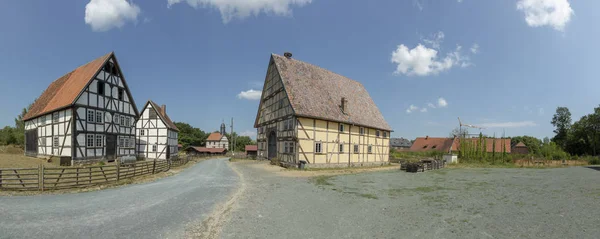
(424, 144)
(400, 143)
(520, 148)
(217, 140)
(251, 150)
(452, 145)
(196, 151)
(156, 133)
(87, 114)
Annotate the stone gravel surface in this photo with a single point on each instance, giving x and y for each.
(447, 203)
(161, 209)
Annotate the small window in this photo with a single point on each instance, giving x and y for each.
(90, 116)
(154, 148)
(362, 130)
(152, 113)
(127, 122)
(341, 148)
(424, 146)
(90, 140)
(122, 120)
(99, 117)
(377, 133)
(142, 132)
(291, 147)
(121, 142)
(318, 147)
(385, 134)
(435, 146)
(116, 119)
(108, 67)
(120, 94)
(356, 148)
(370, 149)
(99, 141)
(100, 86)
(341, 127)
(285, 147)
(55, 117)
(55, 141)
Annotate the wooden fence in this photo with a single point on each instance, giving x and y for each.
(52, 178)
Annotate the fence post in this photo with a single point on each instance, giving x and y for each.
(118, 173)
(77, 177)
(41, 178)
(0, 178)
(153, 166)
(90, 175)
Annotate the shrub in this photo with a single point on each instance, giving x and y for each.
(594, 160)
(275, 161)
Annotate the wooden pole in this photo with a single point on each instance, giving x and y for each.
(0, 178)
(90, 175)
(118, 174)
(77, 177)
(41, 178)
(153, 166)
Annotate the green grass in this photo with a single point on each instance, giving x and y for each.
(322, 180)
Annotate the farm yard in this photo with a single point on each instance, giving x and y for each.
(445, 203)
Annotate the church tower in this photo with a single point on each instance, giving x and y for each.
(223, 129)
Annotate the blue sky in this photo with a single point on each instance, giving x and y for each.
(505, 65)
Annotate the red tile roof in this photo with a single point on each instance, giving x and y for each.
(64, 91)
(520, 144)
(214, 137)
(423, 144)
(207, 150)
(489, 144)
(163, 115)
(251, 148)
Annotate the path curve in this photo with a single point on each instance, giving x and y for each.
(160, 209)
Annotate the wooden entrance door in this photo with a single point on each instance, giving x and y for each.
(168, 152)
(272, 147)
(111, 146)
(31, 142)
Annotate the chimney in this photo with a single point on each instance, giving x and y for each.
(426, 137)
(164, 109)
(287, 54)
(344, 105)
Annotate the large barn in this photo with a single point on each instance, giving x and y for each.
(310, 114)
(156, 133)
(87, 114)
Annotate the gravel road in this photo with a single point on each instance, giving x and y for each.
(161, 209)
(447, 203)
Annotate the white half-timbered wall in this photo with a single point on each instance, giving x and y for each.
(100, 114)
(223, 143)
(53, 134)
(154, 137)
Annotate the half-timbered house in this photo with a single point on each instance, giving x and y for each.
(87, 114)
(311, 114)
(156, 133)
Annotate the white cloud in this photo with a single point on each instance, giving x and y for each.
(431, 105)
(442, 102)
(423, 61)
(554, 13)
(509, 124)
(436, 40)
(250, 94)
(103, 15)
(475, 48)
(249, 133)
(423, 110)
(231, 9)
(411, 108)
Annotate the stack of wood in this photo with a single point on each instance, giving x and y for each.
(423, 165)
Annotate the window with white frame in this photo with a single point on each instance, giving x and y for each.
(291, 147)
(122, 120)
(362, 130)
(356, 148)
(99, 141)
(99, 117)
(318, 147)
(116, 119)
(90, 140)
(341, 127)
(341, 148)
(55, 141)
(385, 134)
(377, 133)
(154, 148)
(121, 142)
(285, 147)
(90, 116)
(55, 117)
(142, 132)
(370, 149)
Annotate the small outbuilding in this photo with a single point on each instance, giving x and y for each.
(520, 148)
(203, 151)
(251, 150)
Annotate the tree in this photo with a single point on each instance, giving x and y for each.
(562, 123)
(19, 131)
(7, 136)
(242, 141)
(546, 140)
(459, 132)
(190, 136)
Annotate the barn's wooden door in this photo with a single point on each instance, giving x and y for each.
(31, 142)
(111, 146)
(272, 148)
(168, 152)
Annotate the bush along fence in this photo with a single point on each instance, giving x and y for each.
(53, 178)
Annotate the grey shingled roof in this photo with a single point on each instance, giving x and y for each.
(400, 142)
(315, 92)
